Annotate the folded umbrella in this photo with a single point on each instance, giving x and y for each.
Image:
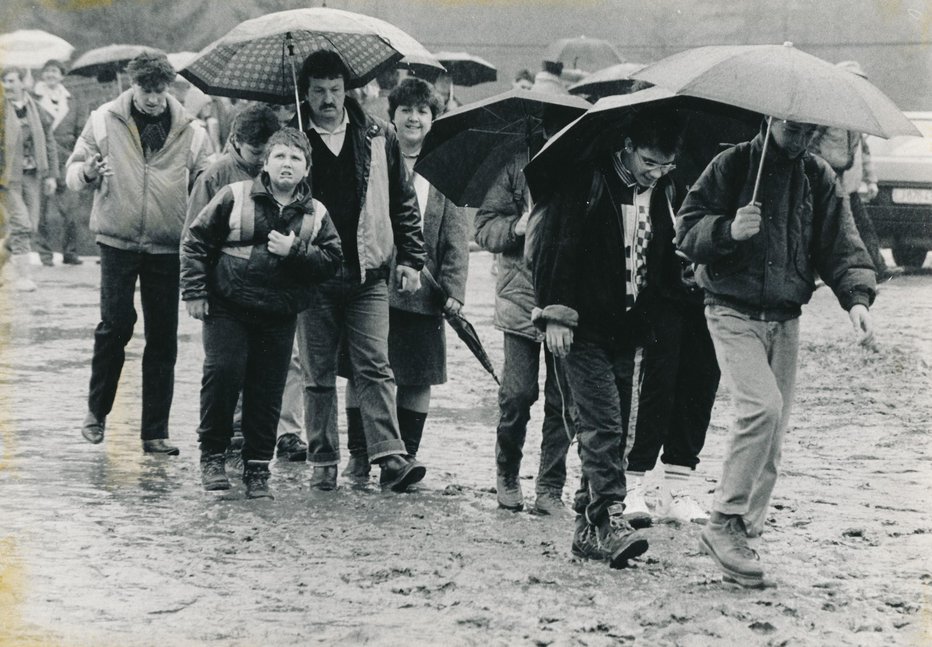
(464, 330)
(32, 48)
(467, 148)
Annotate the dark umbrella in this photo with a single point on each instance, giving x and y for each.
(464, 330)
(467, 70)
(108, 61)
(615, 79)
(710, 124)
(467, 148)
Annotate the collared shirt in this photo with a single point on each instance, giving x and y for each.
(333, 138)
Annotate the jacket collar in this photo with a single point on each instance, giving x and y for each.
(261, 188)
(252, 169)
(180, 118)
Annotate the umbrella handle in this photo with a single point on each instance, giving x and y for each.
(763, 154)
(289, 43)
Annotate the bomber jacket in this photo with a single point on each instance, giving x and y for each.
(141, 207)
(258, 280)
(579, 266)
(389, 220)
(495, 232)
(806, 228)
(228, 168)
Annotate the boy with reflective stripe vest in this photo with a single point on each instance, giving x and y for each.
(248, 262)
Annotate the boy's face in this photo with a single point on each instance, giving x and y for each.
(286, 166)
(252, 154)
(412, 123)
(793, 137)
(647, 164)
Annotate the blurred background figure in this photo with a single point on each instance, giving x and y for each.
(443, 86)
(65, 205)
(524, 80)
(548, 79)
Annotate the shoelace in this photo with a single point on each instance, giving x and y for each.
(738, 534)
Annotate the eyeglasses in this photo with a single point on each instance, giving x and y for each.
(651, 165)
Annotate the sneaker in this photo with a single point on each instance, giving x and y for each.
(256, 479)
(679, 507)
(549, 504)
(291, 448)
(399, 473)
(213, 474)
(726, 542)
(324, 478)
(159, 446)
(613, 540)
(93, 428)
(508, 489)
(636, 511)
(357, 470)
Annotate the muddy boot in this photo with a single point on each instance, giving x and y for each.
(411, 427)
(611, 539)
(291, 448)
(256, 479)
(213, 472)
(357, 470)
(724, 538)
(22, 281)
(399, 473)
(324, 478)
(508, 491)
(233, 457)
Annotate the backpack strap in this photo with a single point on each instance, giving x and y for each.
(242, 221)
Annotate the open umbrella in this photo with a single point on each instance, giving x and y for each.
(710, 124)
(257, 59)
(467, 148)
(107, 59)
(583, 53)
(615, 79)
(467, 70)
(32, 48)
(464, 330)
(783, 82)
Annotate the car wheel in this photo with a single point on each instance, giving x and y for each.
(907, 256)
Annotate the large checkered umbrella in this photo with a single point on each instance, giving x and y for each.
(257, 58)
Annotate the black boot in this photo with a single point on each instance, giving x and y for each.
(357, 469)
(411, 426)
(213, 475)
(256, 478)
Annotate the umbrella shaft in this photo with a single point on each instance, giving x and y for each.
(763, 154)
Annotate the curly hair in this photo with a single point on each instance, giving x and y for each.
(414, 92)
(291, 137)
(255, 124)
(151, 70)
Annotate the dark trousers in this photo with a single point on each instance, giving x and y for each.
(65, 205)
(601, 378)
(249, 353)
(678, 381)
(518, 392)
(868, 233)
(158, 286)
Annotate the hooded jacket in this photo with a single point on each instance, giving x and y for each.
(260, 281)
(230, 167)
(141, 207)
(389, 220)
(806, 228)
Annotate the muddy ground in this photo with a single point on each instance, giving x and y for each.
(102, 546)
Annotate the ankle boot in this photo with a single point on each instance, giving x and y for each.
(256, 479)
(411, 426)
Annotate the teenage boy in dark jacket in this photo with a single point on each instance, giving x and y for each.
(248, 261)
(758, 261)
(602, 244)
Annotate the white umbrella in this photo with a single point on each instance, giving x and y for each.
(32, 48)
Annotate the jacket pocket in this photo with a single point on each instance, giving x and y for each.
(728, 266)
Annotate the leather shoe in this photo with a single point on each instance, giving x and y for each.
(399, 473)
(357, 470)
(324, 478)
(159, 446)
(93, 428)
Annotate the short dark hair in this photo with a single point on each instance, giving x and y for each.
(660, 128)
(54, 63)
(290, 137)
(255, 124)
(322, 64)
(553, 67)
(151, 70)
(524, 75)
(414, 92)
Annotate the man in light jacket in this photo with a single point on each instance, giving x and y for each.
(138, 154)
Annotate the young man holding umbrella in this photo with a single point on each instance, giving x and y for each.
(758, 255)
(358, 173)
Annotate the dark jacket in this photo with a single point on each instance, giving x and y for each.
(230, 167)
(263, 282)
(495, 232)
(579, 268)
(807, 227)
(388, 218)
(446, 240)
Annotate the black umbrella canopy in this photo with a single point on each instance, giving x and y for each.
(467, 70)
(615, 79)
(709, 127)
(108, 59)
(466, 148)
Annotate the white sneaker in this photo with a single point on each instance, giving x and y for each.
(684, 509)
(636, 511)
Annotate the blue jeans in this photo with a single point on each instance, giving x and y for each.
(158, 287)
(758, 361)
(343, 308)
(602, 380)
(518, 392)
(249, 353)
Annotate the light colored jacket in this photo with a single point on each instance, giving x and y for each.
(141, 207)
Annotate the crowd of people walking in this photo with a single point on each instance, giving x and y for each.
(315, 249)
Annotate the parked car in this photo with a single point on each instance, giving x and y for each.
(902, 211)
